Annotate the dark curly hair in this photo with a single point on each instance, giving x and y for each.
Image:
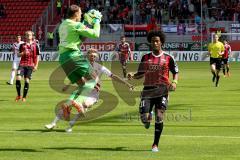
(156, 33)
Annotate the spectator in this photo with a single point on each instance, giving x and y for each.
(158, 15)
(83, 6)
(50, 37)
(182, 11)
(39, 33)
(138, 19)
(65, 8)
(238, 17)
(78, 2)
(152, 25)
(1, 14)
(2, 11)
(191, 8)
(148, 12)
(107, 4)
(1, 7)
(153, 10)
(205, 8)
(143, 16)
(59, 7)
(197, 19)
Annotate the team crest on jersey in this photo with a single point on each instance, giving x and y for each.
(163, 60)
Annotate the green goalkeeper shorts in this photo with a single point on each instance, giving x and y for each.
(75, 65)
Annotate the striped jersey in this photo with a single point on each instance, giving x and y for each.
(30, 58)
(156, 69)
(124, 51)
(227, 51)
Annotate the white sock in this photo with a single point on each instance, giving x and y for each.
(73, 121)
(12, 77)
(55, 120)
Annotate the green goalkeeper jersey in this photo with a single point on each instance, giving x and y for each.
(70, 33)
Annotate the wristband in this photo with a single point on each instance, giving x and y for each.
(175, 81)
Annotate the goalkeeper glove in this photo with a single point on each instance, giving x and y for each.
(92, 16)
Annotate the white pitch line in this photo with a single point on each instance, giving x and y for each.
(203, 136)
(118, 134)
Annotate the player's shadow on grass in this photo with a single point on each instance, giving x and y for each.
(193, 86)
(126, 117)
(233, 90)
(18, 150)
(117, 149)
(203, 126)
(184, 106)
(2, 100)
(41, 130)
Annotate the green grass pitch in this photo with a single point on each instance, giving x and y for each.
(202, 121)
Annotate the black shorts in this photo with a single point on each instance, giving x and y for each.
(225, 61)
(123, 62)
(25, 71)
(217, 62)
(147, 104)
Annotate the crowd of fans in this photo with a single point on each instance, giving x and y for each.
(164, 11)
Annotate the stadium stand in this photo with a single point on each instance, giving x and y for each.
(20, 17)
(180, 19)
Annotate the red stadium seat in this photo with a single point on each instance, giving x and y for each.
(21, 16)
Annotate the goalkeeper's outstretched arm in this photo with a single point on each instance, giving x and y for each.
(92, 18)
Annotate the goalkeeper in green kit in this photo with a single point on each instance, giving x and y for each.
(72, 33)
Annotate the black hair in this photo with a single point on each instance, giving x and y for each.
(156, 33)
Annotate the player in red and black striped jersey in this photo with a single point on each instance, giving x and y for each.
(28, 52)
(124, 52)
(225, 57)
(155, 67)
